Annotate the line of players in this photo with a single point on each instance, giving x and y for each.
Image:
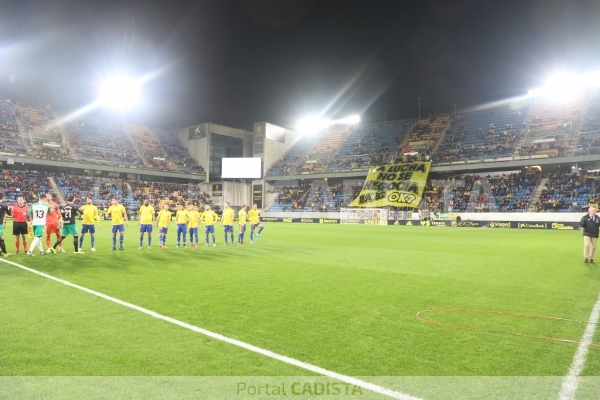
(47, 216)
(188, 221)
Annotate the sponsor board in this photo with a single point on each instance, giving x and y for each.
(496, 224)
(532, 225)
(562, 226)
(567, 226)
(362, 221)
(467, 224)
(328, 221)
(437, 223)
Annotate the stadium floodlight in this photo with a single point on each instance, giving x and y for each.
(566, 85)
(592, 79)
(351, 120)
(562, 86)
(120, 91)
(312, 125)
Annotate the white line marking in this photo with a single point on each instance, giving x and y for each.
(570, 382)
(235, 342)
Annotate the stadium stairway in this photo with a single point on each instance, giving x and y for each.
(406, 138)
(63, 134)
(441, 139)
(23, 133)
(536, 195)
(127, 129)
(578, 126)
(56, 190)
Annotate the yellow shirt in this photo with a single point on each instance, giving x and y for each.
(228, 216)
(208, 218)
(146, 213)
(253, 216)
(90, 214)
(164, 218)
(182, 216)
(116, 212)
(243, 216)
(194, 219)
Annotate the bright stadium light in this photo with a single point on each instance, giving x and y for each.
(120, 92)
(562, 86)
(312, 125)
(592, 79)
(351, 120)
(565, 85)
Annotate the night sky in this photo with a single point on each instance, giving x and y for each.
(235, 62)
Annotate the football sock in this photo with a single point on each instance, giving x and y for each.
(25, 244)
(76, 243)
(225, 238)
(92, 241)
(33, 243)
(48, 238)
(141, 240)
(149, 240)
(81, 241)
(114, 241)
(18, 244)
(214, 240)
(206, 239)
(260, 230)
(3, 246)
(121, 240)
(232, 238)
(58, 241)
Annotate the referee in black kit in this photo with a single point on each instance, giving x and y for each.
(590, 225)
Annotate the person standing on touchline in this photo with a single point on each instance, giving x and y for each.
(590, 225)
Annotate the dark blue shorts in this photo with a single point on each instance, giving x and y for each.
(146, 228)
(85, 228)
(118, 228)
(209, 229)
(228, 228)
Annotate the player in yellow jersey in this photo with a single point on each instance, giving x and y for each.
(162, 222)
(118, 214)
(90, 214)
(145, 221)
(208, 218)
(182, 217)
(243, 217)
(227, 218)
(193, 224)
(254, 217)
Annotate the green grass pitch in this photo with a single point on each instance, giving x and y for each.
(340, 297)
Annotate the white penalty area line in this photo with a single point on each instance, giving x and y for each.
(570, 382)
(267, 353)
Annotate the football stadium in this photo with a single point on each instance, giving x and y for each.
(364, 248)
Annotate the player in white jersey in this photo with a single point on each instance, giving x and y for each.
(37, 214)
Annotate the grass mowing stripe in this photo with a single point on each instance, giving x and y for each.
(288, 360)
(571, 380)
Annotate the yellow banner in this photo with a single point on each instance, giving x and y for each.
(397, 185)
